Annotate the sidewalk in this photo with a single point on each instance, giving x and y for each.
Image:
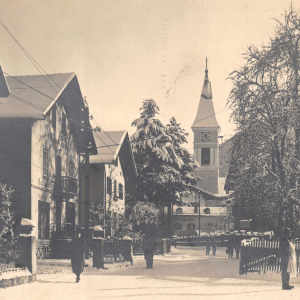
(56, 266)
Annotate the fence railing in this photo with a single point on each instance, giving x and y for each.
(221, 241)
(263, 255)
(114, 250)
(162, 246)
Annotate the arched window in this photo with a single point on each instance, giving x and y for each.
(191, 226)
(207, 211)
(179, 211)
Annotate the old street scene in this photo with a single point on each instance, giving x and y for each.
(149, 149)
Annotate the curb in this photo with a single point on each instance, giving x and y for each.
(5, 283)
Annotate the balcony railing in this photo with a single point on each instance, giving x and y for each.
(68, 230)
(69, 187)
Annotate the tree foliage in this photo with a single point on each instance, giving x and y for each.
(161, 167)
(265, 103)
(6, 222)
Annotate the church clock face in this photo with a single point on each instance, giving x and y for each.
(205, 136)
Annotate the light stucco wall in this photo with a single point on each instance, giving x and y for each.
(44, 137)
(184, 220)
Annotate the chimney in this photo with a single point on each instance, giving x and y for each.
(4, 91)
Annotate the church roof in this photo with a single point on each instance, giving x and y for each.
(206, 114)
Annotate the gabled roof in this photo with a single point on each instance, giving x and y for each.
(33, 89)
(110, 146)
(32, 96)
(206, 117)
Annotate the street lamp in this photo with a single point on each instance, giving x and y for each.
(162, 141)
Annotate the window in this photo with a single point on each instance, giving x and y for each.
(53, 117)
(64, 124)
(43, 220)
(205, 156)
(71, 169)
(179, 211)
(115, 189)
(45, 163)
(121, 191)
(109, 187)
(207, 211)
(177, 226)
(191, 226)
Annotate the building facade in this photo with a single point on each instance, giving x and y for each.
(113, 178)
(201, 211)
(40, 151)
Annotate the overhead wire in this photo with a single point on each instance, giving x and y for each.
(33, 61)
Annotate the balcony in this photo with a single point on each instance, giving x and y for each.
(69, 187)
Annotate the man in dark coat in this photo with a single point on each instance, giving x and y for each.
(214, 246)
(230, 246)
(148, 243)
(284, 255)
(78, 246)
(207, 246)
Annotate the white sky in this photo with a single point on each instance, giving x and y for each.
(124, 51)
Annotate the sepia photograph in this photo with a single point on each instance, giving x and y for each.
(149, 149)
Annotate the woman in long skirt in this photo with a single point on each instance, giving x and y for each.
(78, 246)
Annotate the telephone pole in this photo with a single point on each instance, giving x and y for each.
(87, 173)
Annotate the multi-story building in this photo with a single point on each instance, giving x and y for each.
(113, 178)
(41, 141)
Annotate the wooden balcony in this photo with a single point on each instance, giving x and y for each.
(69, 187)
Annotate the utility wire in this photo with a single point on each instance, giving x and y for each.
(33, 61)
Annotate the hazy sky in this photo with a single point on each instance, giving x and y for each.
(124, 51)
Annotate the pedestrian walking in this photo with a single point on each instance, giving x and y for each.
(78, 246)
(148, 243)
(214, 246)
(288, 259)
(207, 246)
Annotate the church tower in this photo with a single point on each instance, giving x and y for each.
(206, 146)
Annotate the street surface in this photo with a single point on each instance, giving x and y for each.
(186, 273)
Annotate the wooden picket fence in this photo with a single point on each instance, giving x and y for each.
(263, 255)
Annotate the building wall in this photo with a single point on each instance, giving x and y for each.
(15, 149)
(98, 188)
(208, 173)
(45, 137)
(184, 220)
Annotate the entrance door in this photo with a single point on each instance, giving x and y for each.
(70, 219)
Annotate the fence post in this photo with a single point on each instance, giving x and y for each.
(98, 258)
(127, 249)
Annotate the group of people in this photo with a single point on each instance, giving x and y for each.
(234, 244)
(149, 231)
(211, 243)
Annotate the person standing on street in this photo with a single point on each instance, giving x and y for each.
(237, 246)
(230, 246)
(288, 259)
(78, 246)
(207, 246)
(148, 243)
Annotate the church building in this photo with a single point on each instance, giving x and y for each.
(206, 142)
(204, 211)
